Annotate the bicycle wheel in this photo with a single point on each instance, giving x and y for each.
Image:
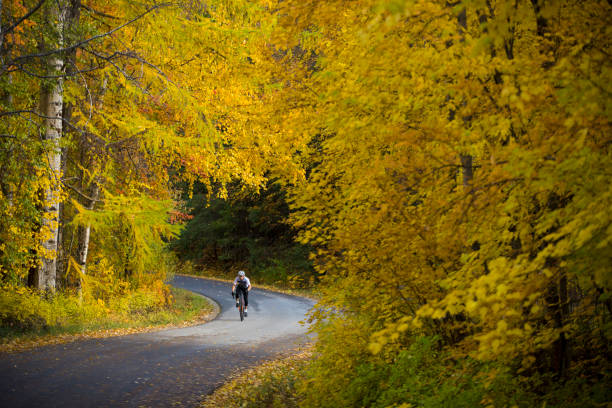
(241, 307)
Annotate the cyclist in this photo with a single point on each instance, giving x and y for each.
(242, 283)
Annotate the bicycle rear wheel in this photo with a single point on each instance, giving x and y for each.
(241, 307)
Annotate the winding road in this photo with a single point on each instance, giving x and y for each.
(174, 367)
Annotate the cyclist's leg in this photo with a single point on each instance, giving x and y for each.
(238, 292)
(245, 295)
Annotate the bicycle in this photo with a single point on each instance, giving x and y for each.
(240, 303)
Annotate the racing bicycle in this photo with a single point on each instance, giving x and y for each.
(240, 295)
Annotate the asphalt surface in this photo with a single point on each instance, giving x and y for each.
(169, 368)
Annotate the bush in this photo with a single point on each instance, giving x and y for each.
(139, 302)
(271, 384)
(27, 313)
(20, 310)
(422, 375)
(425, 375)
(10, 311)
(23, 310)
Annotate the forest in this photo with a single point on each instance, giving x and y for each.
(437, 173)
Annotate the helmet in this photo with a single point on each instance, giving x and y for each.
(241, 273)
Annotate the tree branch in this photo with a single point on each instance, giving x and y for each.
(28, 14)
(33, 112)
(79, 192)
(94, 11)
(65, 75)
(88, 40)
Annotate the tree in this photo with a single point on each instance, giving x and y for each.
(51, 109)
(463, 147)
(134, 112)
(247, 230)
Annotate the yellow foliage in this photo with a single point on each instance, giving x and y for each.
(459, 175)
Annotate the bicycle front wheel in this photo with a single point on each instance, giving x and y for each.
(241, 305)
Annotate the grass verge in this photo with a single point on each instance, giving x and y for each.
(72, 324)
(271, 384)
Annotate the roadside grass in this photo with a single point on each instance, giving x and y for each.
(28, 321)
(271, 384)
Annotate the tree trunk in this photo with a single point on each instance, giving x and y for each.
(71, 21)
(467, 169)
(59, 275)
(466, 160)
(51, 104)
(8, 101)
(84, 232)
(557, 299)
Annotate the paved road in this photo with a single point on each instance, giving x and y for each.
(173, 367)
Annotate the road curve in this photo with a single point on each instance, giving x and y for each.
(174, 367)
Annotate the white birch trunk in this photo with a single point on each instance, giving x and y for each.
(85, 232)
(51, 109)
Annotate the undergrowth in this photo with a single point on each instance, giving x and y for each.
(27, 315)
(422, 375)
(272, 384)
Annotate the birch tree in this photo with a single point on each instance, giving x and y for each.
(51, 109)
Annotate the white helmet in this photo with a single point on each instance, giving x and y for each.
(241, 273)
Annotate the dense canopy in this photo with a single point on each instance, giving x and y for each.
(446, 164)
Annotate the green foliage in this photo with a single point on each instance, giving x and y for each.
(425, 374)
(130, 234)
(340, 349)
(420, 375)
(247, 230)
